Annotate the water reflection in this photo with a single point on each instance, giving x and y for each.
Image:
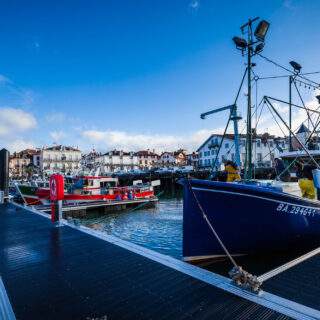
(158, 228)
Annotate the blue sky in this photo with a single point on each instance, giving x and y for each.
(136, 74)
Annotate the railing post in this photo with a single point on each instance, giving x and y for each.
(56, 197)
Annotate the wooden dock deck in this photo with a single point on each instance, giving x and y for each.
(81, 209)
(70, 272)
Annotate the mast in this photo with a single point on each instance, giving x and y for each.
(235, 118)
(252, 46)
(290, 113)
(248, 174)
(250, 52)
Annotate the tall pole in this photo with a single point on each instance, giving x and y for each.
(249, 126)
(236, 118)
(290, 113)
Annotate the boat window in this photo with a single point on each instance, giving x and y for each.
(107, 184)
(87, 183)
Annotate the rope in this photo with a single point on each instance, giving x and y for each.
(240, 277)
(211, 227)
(286, 266)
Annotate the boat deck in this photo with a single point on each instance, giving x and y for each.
(70, 272)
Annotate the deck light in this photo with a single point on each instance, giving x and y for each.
(261, 30)
(296, 66)
(240, 43)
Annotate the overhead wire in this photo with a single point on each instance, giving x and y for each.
(290, 71)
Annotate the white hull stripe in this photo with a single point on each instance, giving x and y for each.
(268, 300)
(254, 196)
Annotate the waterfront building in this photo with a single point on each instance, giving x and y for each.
(181, 157)
(166, 159)
(59, 159)
(266, 148)
(88, 160)
(178, 157)
(20, 163)
(192, 159)
(36, 159)
(115, 161)
(147, 159)
(303, 134)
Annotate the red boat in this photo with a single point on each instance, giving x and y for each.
(88, 188)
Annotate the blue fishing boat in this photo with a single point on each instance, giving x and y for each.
(249, 216)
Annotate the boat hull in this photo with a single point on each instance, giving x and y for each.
(248, 219)
(35, 196)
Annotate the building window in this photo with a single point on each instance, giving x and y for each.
(212, 152)
(271, 143)
(226, 145)
(259, 157)
(200, 154)
(258, 143)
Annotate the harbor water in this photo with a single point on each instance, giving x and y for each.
(158, 228)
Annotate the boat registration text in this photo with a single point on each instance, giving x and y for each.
(289, 208)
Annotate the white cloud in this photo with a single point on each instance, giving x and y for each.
(267, 122)
(137, 141)
(15, 120)
(57, 136)
(18, 145)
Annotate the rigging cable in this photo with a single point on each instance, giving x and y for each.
(231, 112)
(276, 120)
(288, 70)
(309, 118)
